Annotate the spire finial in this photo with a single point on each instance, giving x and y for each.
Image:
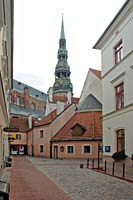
(62, 35)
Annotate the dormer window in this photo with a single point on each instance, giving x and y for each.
(78, 130)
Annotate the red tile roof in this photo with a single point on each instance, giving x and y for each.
(47, 119)
(50, 117)
(90, 120)
(96, 72)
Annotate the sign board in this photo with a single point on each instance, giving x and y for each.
(107, 148)
(8, 129)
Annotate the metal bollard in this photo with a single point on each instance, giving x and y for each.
(105, 166)
(123, 174)
(88, 163)
(113, 168)
(92, 163)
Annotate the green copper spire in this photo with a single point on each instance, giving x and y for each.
(62, 34)
(62, 83)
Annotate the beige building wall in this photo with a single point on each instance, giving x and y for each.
(6, 34)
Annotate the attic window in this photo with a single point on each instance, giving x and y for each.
(42, 92)
(19, 83)
(78, 130)
(36, 95)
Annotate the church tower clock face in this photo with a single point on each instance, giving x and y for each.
(62, 84)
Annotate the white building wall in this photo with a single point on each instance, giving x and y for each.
(114, 122)
(92, 86)
(122, 31)
(112, 75)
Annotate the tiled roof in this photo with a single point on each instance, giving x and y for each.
(96, 72)
(21, 123)
(90, 103)
(19, 86)
(17, 110)
(47, 119)
(50, 117)
(90, 120)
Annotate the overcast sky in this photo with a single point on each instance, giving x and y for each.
(37, 26)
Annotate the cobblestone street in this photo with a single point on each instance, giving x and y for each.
(78, 183)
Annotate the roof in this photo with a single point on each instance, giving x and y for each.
(111, 23)
(19, 86)
(90, 103)
(86, 120)
(17, 110)
(21, 123)
(96, 72)
(50, 117)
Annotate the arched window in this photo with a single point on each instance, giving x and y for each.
(33, 106)
(18, 100)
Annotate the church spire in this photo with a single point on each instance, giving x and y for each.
(62, 85)
(62, 34)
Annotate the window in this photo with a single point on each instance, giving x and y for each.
(119, 93)
(33, 107)
(41, 133)
(118, 52)
(22, 101)
(41, 148)
(70, 149)
(18, 136)
(120, 134)
(18, 100)
(86, 149)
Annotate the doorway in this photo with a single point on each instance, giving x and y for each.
(56, 152)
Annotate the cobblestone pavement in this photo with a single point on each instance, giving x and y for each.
(83, 183)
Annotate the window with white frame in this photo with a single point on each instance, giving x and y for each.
(18, 136)
(86, 149)
(119, 94)
(70, 149)
(41, 148)
(118, 52)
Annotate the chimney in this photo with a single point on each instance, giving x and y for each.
(50, 94)
(60, 107)
(26, 97)
(69, 97)
(30, 121)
